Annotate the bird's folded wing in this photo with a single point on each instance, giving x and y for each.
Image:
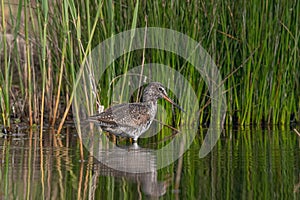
(127, 115)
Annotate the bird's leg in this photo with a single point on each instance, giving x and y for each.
(114, 139)
(130, 140)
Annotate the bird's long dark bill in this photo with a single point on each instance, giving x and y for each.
(169, 100)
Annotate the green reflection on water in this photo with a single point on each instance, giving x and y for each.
(245, 164)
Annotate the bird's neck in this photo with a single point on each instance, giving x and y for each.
(152, 103)
(146, 98)
(153, 107)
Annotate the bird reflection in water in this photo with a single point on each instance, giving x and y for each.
(134, 164)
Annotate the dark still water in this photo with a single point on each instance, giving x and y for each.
(245, 164)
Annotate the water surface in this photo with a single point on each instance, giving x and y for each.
(245, 164)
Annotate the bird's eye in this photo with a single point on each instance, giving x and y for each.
(161, 89)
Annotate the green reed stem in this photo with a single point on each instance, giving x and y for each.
(45, 10)
(5, 80)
